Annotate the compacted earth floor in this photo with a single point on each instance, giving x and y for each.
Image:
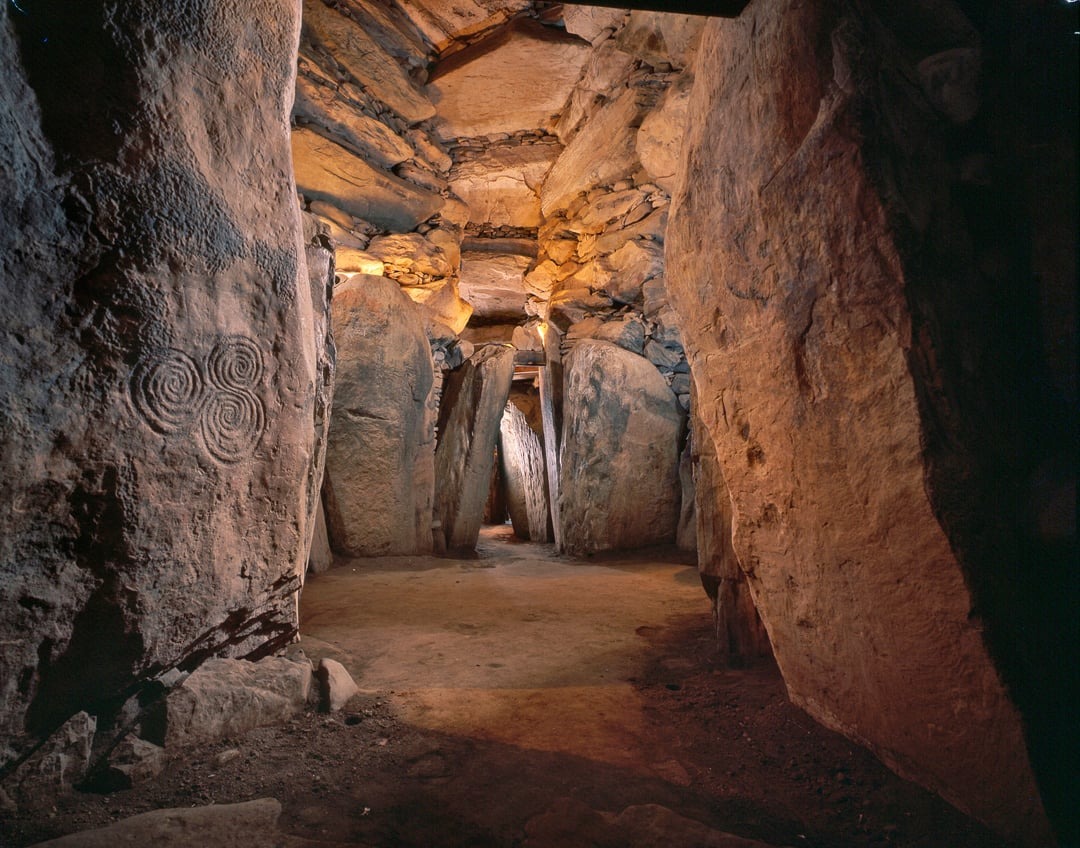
(525, 699)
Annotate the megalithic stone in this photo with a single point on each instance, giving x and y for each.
(798, 275)
(158, 366)
(521, 457)
(472, 407)
(380, 477)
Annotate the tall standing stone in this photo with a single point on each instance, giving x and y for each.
(619, 466)
(320, 264)
(803, 220)
(740, 634)
(158, 365)
(379, 467)
(521, 458)
(472, 404)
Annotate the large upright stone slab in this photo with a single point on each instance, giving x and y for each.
(320, 265)
(521, 461)
(472, 404)
(619, 464)
(516, 79)
(158, 365)
(797, 234)
(379, 465)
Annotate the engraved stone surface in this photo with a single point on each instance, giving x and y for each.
(158, 369)
(172, 392)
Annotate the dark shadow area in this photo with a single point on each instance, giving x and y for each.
(988, 282)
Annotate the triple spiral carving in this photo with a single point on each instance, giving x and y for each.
(176, 394)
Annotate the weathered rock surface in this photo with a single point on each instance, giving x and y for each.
(686, 533)
(56, 766)
(133, 761)
(441, 303)
(607, 67)
(602, 152)
(251, 824)
(394, 32)
(379, 465)
(351, 260)
(521, 459)
(790, 282)
(627, 332)
(411, 253)
(158, 363)
(661, 38)
(593, 23)
(229, 697)
(331, 115)
(627, 269)
(659, 139)
(321, 274)
(472, 404)
(619, 463)
(494, 283)
(378, 73)
(441, 23)
(327, 171)
(320, 557)
(336, 685)
(739, 631)
(502, 184)
(532, 68)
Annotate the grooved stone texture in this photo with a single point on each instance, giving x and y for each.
(159, 363)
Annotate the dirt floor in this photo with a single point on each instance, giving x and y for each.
(508, 700)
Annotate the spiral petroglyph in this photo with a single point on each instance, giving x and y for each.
(231, 424)
(168, 389)
(236, 363)
(175, 393)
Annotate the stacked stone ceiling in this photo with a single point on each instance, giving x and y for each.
(507, 163)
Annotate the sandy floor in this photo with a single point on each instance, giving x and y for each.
(517, 647)
(511, 699)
